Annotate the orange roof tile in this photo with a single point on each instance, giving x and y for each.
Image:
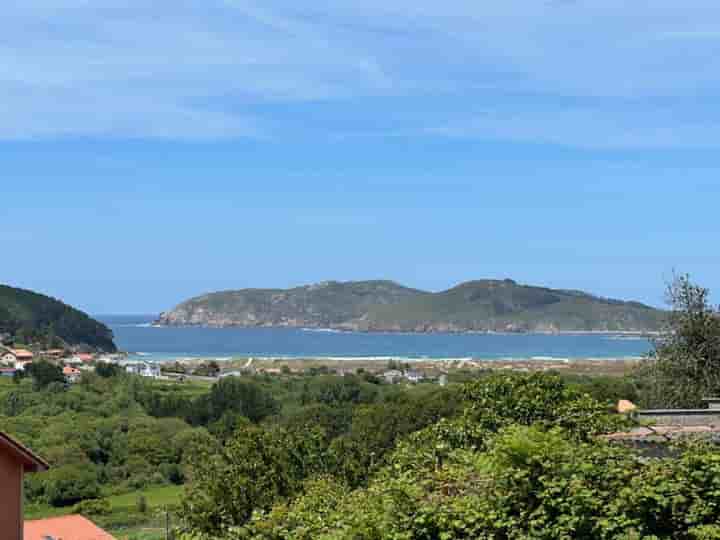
(73, 527)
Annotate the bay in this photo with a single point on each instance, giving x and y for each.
(137, 336)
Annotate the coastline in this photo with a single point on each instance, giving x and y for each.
(389, 331)
(584, 366)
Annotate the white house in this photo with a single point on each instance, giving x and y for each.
(144, 369)
(414, 376)
(20, 364)
(11, 356)
(234, 373)
(392, 375)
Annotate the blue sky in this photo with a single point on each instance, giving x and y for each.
(157, 150)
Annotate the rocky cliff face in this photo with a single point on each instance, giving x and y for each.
(478, 306)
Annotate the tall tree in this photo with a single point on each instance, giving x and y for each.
(685, 365)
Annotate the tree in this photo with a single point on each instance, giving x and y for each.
(252, 471)
(685, 366)
(334, 390)
(44, 373)
(65, 486)
(230, 394)
(107, 369)
(503, 399)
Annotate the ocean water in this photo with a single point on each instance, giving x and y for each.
(135, 335)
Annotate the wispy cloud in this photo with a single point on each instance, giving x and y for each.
(199, 70)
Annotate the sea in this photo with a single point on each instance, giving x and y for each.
(136, 335)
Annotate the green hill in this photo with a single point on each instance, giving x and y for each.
(486, 305)
(36, 317)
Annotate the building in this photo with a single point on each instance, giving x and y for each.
(52, 354)
(73, 527)
(11, 356)
(144, 369)
(72, 375)
(15, 461)
(662, 426)
(82, 358)
(414, 376)
(7, 372)
(233, 373)
(683, 417)
(392, 375)
(20, 365)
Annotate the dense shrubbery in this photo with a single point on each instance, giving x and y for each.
(521, 462)
(452, 475)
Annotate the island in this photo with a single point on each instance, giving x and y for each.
(385, 306)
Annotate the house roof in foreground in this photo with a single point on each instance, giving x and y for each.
(663, 433)
(31, 461)
(73, 527)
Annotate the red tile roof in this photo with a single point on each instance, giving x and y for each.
(21, 354)
(31, 461)
(65, 528)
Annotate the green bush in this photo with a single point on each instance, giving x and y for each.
(93, 507)
(65, 486)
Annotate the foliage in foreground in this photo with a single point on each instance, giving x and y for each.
(522, 461)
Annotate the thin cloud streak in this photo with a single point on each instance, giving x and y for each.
(196, 70)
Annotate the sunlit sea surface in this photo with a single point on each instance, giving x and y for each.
(137, 336)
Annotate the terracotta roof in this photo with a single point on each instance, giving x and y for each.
(65, 528)
(67, 370)
(31, 461)
(21, 353)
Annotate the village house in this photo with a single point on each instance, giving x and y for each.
(12, 356)
(72, 375)
(15, 461)
(414, 376)
(52, 354)
(7, 371)
(144, 369)
(662, 426)
(392, 375)
(82, 358)
(233, 373)
(20, 365)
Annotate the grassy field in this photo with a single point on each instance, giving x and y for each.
(125, 521)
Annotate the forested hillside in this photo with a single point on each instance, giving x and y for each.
(33, 317)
